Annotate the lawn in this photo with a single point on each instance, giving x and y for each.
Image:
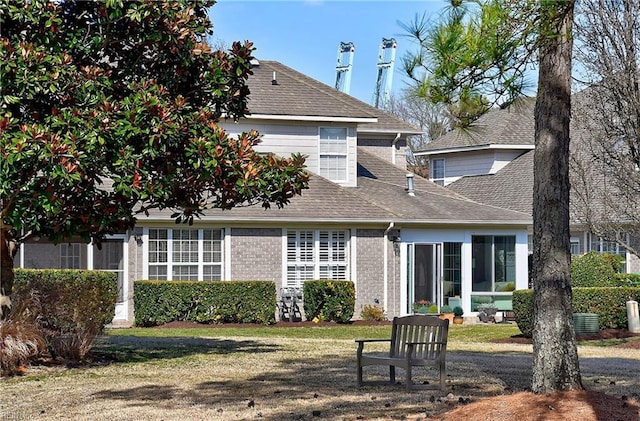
(279, 373)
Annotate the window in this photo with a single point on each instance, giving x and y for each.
(315, 254)
(437, 171)
(70, 256)
(494, 263)
(600, 245)
(185, 254)
(333, 153)
(575, 246)
(452, 269)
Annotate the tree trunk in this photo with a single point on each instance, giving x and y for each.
(7, 251)
(555, 356)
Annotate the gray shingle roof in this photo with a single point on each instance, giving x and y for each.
(510, 126)
(379, 198)
(299, 95)
(509, 188)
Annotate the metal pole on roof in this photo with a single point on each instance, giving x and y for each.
(386, 60)
(343, 71)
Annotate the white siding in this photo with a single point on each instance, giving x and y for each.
(483, 162)
(303, 138)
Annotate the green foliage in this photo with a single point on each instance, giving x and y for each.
(109, 109)
(474, 59)
(522, 301)
(446, 309)
(372, 312)
(159, 302)
(458, 311)
(628, 279)
(329, 300)
(433, 309)
(609, 303)
(75, 307)
(594, 270)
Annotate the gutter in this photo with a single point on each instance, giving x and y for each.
(385, 267)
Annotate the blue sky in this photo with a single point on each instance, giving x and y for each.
(305, 35)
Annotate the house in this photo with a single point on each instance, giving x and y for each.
(492, 163)
(400, 238)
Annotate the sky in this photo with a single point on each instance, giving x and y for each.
(306, 34)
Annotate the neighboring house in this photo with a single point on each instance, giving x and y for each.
(398, 237)
(492, 163)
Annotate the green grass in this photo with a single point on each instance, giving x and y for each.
(457, 333)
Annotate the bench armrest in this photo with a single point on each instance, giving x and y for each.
(372, 340)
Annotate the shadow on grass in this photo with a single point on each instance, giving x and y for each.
(129, 349)
(278, 385)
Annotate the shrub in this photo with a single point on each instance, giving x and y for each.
(458, 311)
(433, 309)
(446, 309)
(628, 279)
(159, 302)
(76, 305)
(594, 270)
(370, 312)
(329, 300)
(608, 303)
(20, 337)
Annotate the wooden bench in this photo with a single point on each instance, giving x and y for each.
(416, 341)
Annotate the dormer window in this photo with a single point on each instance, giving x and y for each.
(437, 171)
(333, 153)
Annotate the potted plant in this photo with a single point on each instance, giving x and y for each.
(487, 312)
(446, 312)
(421, 307)
(457, 315)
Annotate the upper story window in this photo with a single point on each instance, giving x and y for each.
(185, 254)
(437, 171)
(333, 153)
(316, 254)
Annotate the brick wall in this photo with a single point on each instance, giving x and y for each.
(256, 254)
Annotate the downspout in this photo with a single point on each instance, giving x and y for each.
(386, 266)
(393, 148)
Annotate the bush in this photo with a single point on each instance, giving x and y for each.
(75, 307)
(458, 311)
(329, 300)
(20, 337)
(610, 304)
(594, 270)
(433, 309)
(446, 309)
(370, 312)
(628, 279)
(160, 302)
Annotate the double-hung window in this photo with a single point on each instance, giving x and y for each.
(333, 153)
(437, 171)
(185, 254)
(316, 254)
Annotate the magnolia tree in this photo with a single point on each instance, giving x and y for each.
(109, 109)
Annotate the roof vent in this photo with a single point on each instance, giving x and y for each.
(274, 80)
(409, 188)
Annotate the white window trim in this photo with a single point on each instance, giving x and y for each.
(345, 154)
(170, 264)
(438, 180)
(316, 254)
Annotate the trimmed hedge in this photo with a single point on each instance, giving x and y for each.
(595, 270)
(75, 306)
(609, 303)
(160, 302)
(329, 300)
